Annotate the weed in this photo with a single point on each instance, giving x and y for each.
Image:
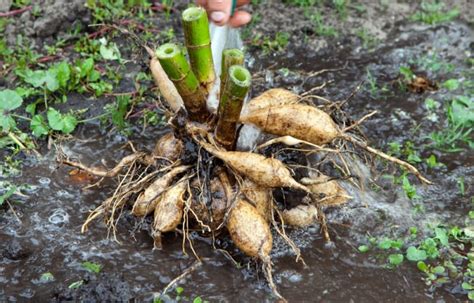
(320, 28)
(303, 3)
(460, 116)
(92, 267)
(434, 13)
(442, 254)
(368, 40)
(269, 45)
(341, 8)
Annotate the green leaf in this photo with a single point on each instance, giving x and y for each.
(413, 230)
(470, 295)
(92, 267)
(461, 111)
(415, 254)
(385, 244)
(64, 123)
(6, 122)
(467, 286)
(363, 248)
(10, 100)
(438, 270)
(63, 74)
(451, 84)
(51, 80)
(46, 277)
(395, 259)
(422, 266)
(38, 126)
(197, 300)
(55, 119)
(86, 67)
(471, 214)
(442, 236)
(76, 284)
(70, 123)
(109, 51)
(7, 194)
(179, 290)
(36, 78)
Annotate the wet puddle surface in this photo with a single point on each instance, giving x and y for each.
(48, 239)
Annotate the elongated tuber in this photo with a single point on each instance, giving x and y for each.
(267, 172)
(148, 199)
(249, 231)
(300, 121)
(260, 197)
(169, 211)
(272, 97)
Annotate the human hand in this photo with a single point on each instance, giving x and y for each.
(219, 12)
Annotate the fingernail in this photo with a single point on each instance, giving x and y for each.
(217, 16)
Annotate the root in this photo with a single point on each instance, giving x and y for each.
(193, 267)
(267, 270)
(383, 155)
(282, 233)
(291, 141)
(126, 161)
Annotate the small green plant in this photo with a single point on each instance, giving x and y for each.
(434, 13)
(443, 254)
(92, 267)
(368, 40)
(269, 45)
(460, 118)
(341, 8)
(320, 27)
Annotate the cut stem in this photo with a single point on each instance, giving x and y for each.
(232, 98)
(177, 68)
(230, 57)
(198, 43)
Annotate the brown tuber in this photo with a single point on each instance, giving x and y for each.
(147, 200)
(272, 97)
(260, 197)
(168, 147)
(300, 216)
(267, 172)
(297, 120)
(169, 211)
(249, 230)
(332, 193)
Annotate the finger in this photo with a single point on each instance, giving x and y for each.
(240, 18)
(219, 5)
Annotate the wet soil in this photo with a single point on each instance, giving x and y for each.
(42, 234)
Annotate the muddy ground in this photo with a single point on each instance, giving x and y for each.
(40, 232)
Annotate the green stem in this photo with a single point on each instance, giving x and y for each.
(198, 43)
(20, 117)
(177, 68)
(230, 57)
(236, 87)
(16, 140)
(94, 118)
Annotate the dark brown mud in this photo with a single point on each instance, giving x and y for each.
(43, 234)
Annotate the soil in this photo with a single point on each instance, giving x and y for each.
(42, 234)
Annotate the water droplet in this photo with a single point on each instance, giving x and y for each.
(59, 216)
